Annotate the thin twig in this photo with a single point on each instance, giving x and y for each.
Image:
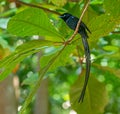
(78, 24)
(36, 6)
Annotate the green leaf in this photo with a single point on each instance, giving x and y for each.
(31, 80)
(42, 72)
(115, 72)
(32, 21)
(89, 15)
(111, 48)
(112, 8)
(95, 98)
(3, 43)
(59, 2)
(21, 52)
(101, 26)
(75, 10)
(104, 24)
(97, 1)
(61, 60)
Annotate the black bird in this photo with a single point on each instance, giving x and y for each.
(72, 21)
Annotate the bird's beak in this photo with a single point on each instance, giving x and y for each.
(61, 16)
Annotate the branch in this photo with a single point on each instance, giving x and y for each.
(36, 6)
(78, 24)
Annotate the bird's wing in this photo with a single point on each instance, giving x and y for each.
(88, 64)
(72, 22)
(82, 24)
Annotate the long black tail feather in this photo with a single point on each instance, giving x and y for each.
(88, 65)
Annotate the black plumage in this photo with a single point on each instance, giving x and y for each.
(72, 21)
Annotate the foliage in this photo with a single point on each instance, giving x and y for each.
(39, 24)
(60, 62)
(93, 95)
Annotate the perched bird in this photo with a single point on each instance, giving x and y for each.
(72, 21)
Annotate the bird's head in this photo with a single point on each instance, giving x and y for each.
(65, 16)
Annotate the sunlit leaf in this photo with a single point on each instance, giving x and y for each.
(32, 21)
(104, 24)
(61, 60)
(111, 48)
(101, 26)
(89, 15)
(21, 52)
(112, 8)
(1, 52)
(58, 2)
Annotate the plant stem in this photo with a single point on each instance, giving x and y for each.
(36, 6)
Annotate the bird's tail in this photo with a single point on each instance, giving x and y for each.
(88, 64)
(83, 33)
(83, 30)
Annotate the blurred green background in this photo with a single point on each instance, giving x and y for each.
(57, 88)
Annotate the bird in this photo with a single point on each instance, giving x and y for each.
(72, 21)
